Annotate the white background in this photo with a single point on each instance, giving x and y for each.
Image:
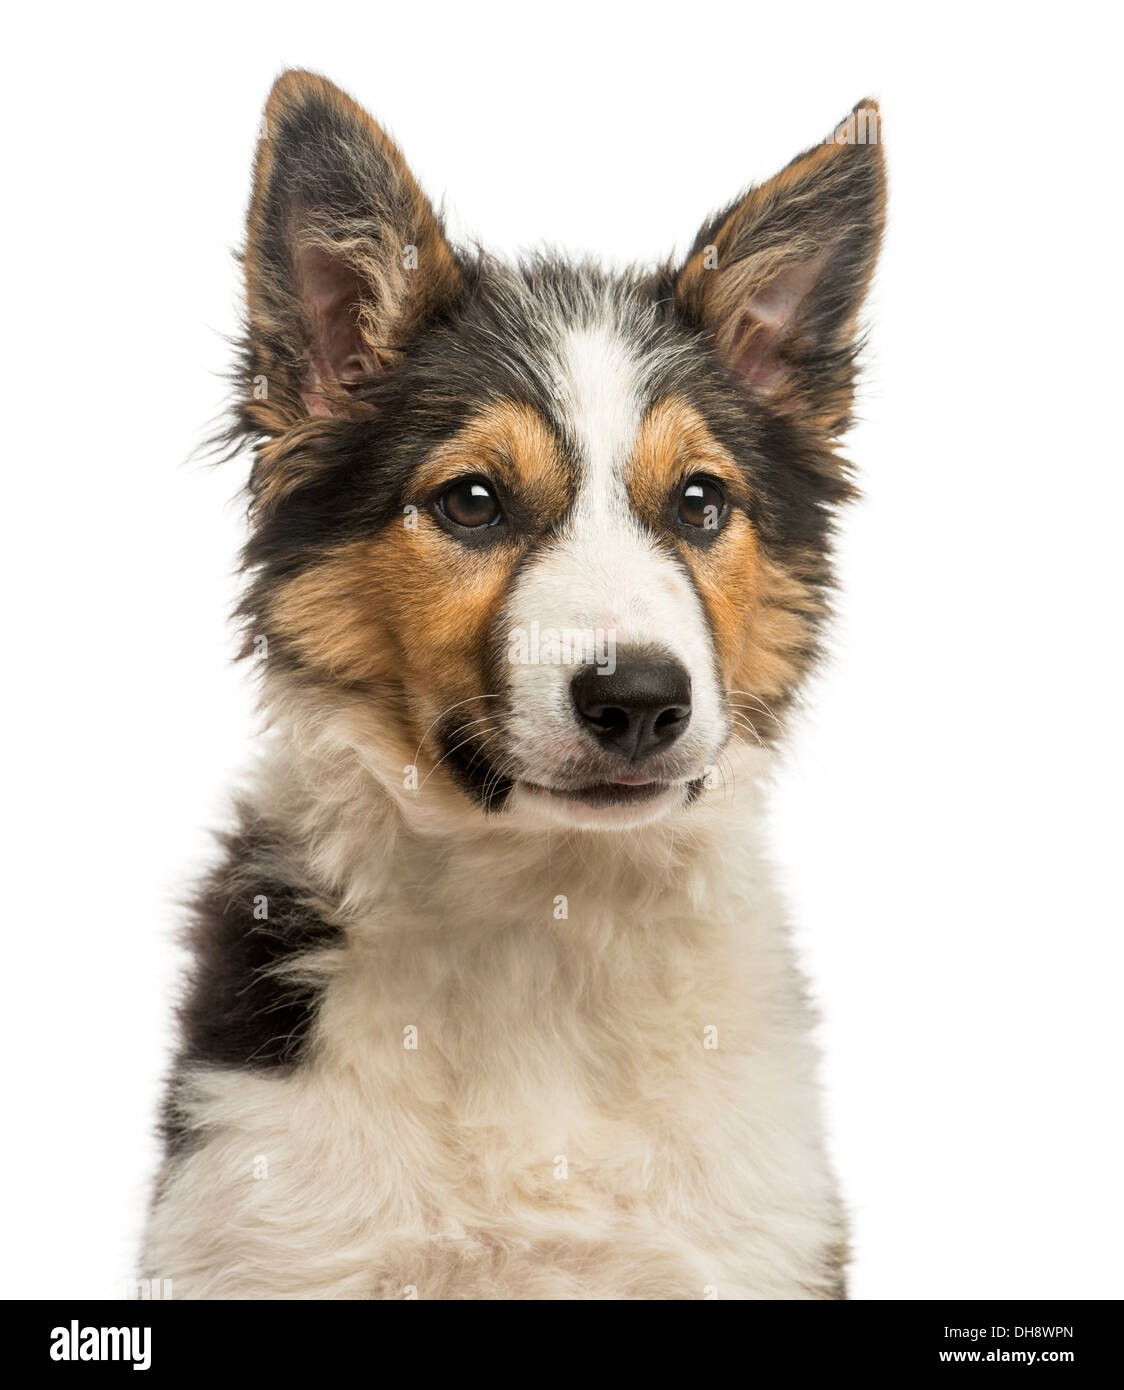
(948, 821)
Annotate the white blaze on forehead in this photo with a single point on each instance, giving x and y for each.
(605, 563)
(607, 570)
(599, 394)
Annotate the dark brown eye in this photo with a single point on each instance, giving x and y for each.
(702, 503)
(471, 503)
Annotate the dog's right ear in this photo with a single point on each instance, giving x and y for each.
(344, 254)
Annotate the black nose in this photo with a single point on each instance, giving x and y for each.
(642, 707)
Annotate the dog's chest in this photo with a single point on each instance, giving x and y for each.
(545, 1109)
(545, 1077)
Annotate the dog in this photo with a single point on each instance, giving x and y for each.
(492, 995)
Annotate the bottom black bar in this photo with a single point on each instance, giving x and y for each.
(169, 1339)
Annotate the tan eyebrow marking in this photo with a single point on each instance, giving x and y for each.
(511, 442)
(674, 440)
(763, 613)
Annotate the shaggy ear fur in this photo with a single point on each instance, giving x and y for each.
(779, 277)
(344, 253)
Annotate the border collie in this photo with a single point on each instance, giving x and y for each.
(492, 995)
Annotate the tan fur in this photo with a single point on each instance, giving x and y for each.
(763, 614)
(674, 441)
(286, 462)
(512, 444)
(409, 610)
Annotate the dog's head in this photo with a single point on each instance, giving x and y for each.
(546, 539)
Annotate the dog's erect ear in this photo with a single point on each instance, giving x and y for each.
(778, 277)
(344, 254)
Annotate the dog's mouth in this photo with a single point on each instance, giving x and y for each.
(592, 794)
(617, 791)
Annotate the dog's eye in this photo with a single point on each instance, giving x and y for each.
(471, 503)
(702, 503)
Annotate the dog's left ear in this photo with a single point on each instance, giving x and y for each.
(778, 278)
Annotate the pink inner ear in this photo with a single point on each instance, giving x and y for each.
(337, 354)
(757, 362)
(769, 320)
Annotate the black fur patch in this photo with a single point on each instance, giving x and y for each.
(471, 768)
(238, 1011)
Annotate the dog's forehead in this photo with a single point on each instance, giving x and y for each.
(600, 396)
(582, 342)
(584, 354)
